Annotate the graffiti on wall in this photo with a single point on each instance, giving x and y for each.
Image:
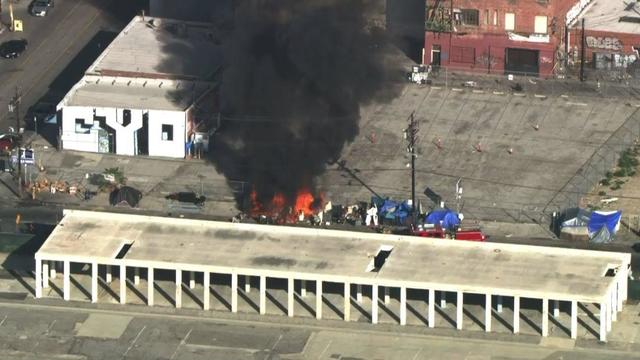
(609, 43)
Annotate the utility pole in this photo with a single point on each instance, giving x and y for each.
(14, 106)
(582, 53)
(411, 135)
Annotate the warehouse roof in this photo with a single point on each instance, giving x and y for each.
(162, 48)
(329, 255)
(97, 91)
(615, 16)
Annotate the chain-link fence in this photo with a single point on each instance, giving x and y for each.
(615, 83)
(595, 169)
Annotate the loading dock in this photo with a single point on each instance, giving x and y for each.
(317, 258)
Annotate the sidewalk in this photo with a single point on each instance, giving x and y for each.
(154, 177)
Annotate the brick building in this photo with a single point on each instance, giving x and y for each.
(497, 36)
(611, 36)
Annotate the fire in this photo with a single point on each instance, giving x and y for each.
(282, 211)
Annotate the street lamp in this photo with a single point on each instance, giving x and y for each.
(14, 106)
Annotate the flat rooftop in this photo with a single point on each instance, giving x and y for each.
(618, 16)
(153, 94)
(339, 256)
(156, 48)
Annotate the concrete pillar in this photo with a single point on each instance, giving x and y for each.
(45, 274)
(608, 316)
(443, 299)
(108, 278)
(574, 319)
(403, 305)
(545, 317)
(52, 271)
(206, 290)
(290, 291)
(359, 293)
(303, 288)
(94, 282)
(66, 285)
(516, 314)
(234, 293)
(614, 305)
(603, 321)
(178, 289)
(347, 302)
(459, 305)
(487, 313)
(192, 280)
(431, 310)
(150, 288)
(556, 308)
(374, 304)
(319, 299)
(619, 293)
(123, 284)
(387, 298)
(263, 294)
(499, 303)
(136, 276)
(38, 278)
(247, 283)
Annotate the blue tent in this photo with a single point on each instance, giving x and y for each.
(600, 219)
(446, 218)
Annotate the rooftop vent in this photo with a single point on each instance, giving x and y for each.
(630, 19)
(380, 258)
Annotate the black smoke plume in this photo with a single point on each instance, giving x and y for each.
(296, 74)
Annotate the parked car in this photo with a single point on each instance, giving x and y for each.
(7, 142)
(40, 7)
(13, 48)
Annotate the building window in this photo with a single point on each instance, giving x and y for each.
(167, 132)
(486, 17)
(466, 55)
(495, 17)
(509, 21)
(81, 127)
(540, 25)
(469, 17)
(126, 117)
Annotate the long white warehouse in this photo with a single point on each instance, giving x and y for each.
(362, 261)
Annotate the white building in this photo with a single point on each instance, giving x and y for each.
(150, 92)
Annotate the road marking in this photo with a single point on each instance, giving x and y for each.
(576, 103)
(5, 318)
(134, 341)
(325, 348)
(418, 353)
(276, 343)
(182, 342)
(50, 327)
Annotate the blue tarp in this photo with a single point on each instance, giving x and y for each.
(446, 218)
(599, 219)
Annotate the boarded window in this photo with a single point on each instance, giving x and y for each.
(540, 25)
(509, 21)
(167, 132)
(470, 17)
(486, 17)
(495, 17)
(466, 55)
(81, 128)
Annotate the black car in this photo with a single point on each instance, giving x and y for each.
(40, 7)
(13, 48)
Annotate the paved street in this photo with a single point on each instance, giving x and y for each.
(45, 71)
(53, 332)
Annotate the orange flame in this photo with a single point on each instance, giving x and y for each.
(278, 210)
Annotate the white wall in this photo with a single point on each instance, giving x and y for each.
(159, 147)
(70, 139)
(125, 138)
(125, 144)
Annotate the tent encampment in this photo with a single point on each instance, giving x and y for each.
(446, 218)
(125, 196)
